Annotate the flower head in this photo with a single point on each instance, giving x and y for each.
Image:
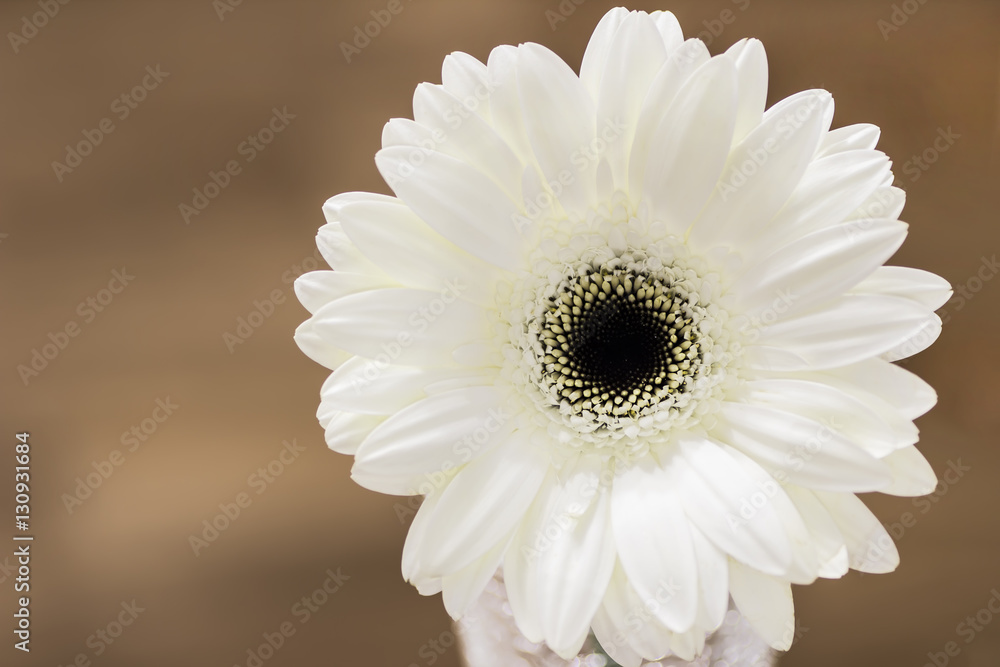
(630, 335)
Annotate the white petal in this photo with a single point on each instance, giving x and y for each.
(635, 616)
(456, 200)
(461, 590)
(830, 190)
(464, 379)
(870, 547)
(599, 48)
(685, 645)
(411, 452)
(415, 537)
(718, 497)
(764, 358)
(765, 603)
(801, 450)
(559, 118)
(483, 503)
(410, 133)
(505, 100)
(877, 381)
(912, 475)
(691, 144)
(345, 431)
(582, 551)
(460, 132)
(862, 136)
(613, 641)
(844, 412)
(341, 254)
(332, 206)
(338, 250)
(520, 567)
(637, 52)
(480, 355)
(817, 267)
(467, 79)
(830, 549)
(924, 287)
(886, 202)
(848, 329)
(920, 340)
(564, 539)
(317, 288)
(713, 582)
(407, 326)
(751, 73)
(365, 386)
(315, 346)
(406, 248)
(678, 68)
(805, 563)
(654, 542)
(669, 29)
(429, 586)
(763, 170)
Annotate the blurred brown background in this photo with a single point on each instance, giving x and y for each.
(223, 68)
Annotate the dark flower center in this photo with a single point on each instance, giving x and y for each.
(617, 342)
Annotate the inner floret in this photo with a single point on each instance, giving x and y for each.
(616, 342)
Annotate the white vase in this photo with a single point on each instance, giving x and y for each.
(488, 637)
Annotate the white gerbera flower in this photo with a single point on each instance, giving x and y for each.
(630, 335)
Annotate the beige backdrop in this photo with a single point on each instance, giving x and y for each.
(217, 73)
